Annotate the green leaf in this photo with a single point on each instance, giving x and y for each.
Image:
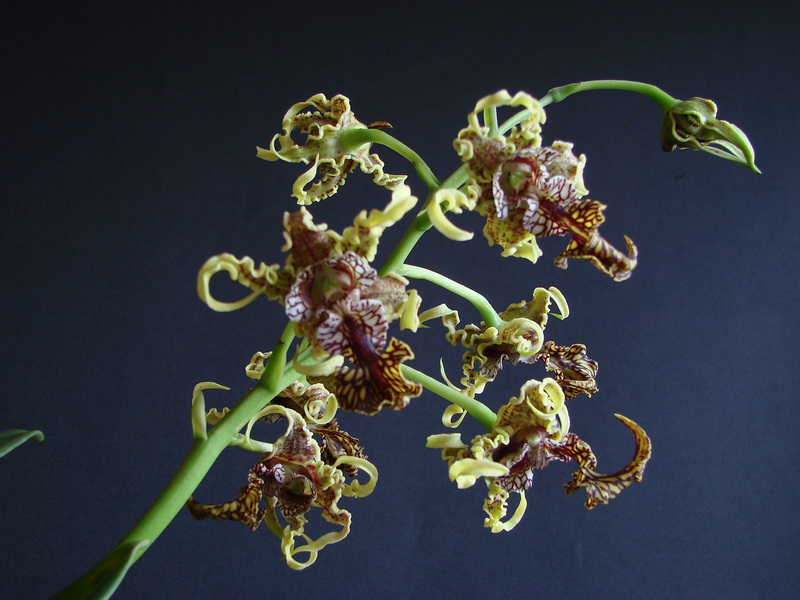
(14, 437)
(102, 581)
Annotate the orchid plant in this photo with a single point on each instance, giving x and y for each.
(336, 353)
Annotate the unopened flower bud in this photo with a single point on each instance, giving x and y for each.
(693, 124)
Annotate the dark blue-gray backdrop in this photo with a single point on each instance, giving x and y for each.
(129, 132)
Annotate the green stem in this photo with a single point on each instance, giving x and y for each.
(197, 463)
(484, 307)
(350, 139)
(475, 408)
(415, 231)
(664, 100)
(490, 120)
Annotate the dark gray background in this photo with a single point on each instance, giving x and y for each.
(129, 134)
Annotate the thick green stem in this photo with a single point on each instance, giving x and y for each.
(195, 465)
(420, 224)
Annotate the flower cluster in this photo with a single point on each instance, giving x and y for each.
(518, 337)
(532, 429)
(341, 306)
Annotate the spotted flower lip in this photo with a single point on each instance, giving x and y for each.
(531, 431)
(341, 305)
(295, 476)
(526, 191)
(330, 164)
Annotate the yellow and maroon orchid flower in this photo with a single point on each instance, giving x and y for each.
(330, 164)
(338, 301)
(531, 431)
(295, 476)
(527, 191)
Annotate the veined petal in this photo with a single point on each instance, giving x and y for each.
(575, 371)
(375, 381)
(602, 488)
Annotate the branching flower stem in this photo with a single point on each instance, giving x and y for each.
(664, 100)
(422, 222)
(278, 375)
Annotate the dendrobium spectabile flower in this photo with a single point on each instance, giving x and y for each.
(526, 190)
(297, 474)
(531, 431)
(338, 302)
(330, 163)
(519, 338)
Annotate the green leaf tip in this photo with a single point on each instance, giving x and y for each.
(103, 580)
(15, 437)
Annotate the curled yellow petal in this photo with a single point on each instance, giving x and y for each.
(563, 424)
(312, 547)
(465, 472)
(255, 368)
(409, 318)
(363, 236)
(449, 413)
(439, 311)
(356, 489)
(319, 369)
(199, 408)
(214, 416)
(317, 413)
(528, 128)
(262, 279)
(497, 526)
(445, 440)
(298, 188)
(451, 200)
(561, 302)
